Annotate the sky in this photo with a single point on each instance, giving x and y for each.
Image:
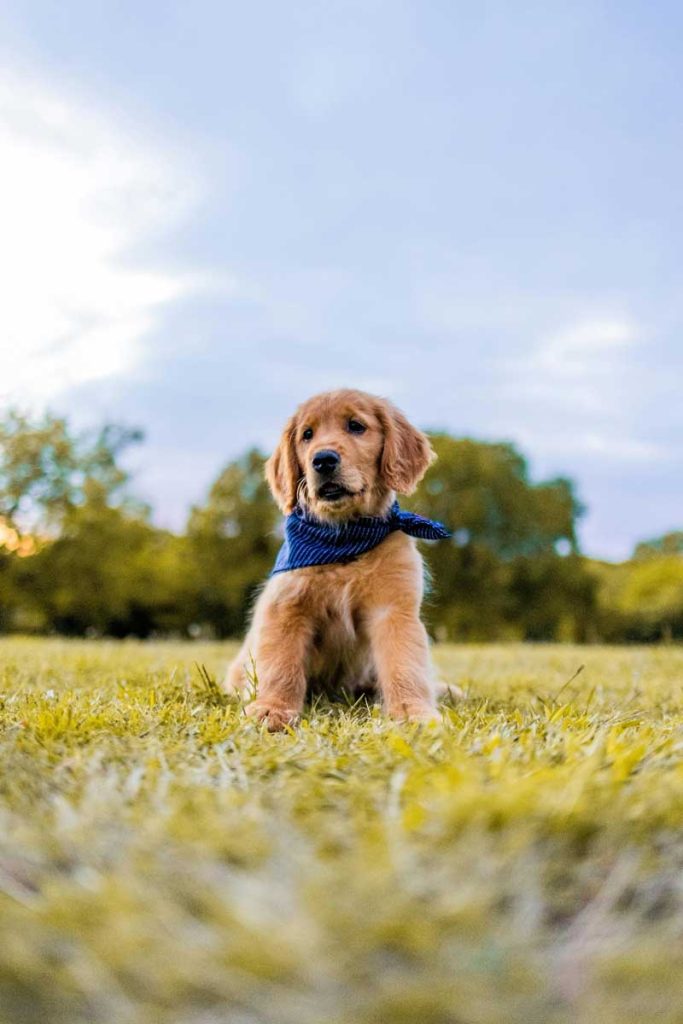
(212, 210)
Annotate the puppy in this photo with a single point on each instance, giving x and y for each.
(352, 622)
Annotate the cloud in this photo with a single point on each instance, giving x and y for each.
(603, 446)
(585, 347)
(585, 360)
(621, 448)
(583, 365)
(79, 193)
(577, 392)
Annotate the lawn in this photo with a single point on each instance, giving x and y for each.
(164, 860)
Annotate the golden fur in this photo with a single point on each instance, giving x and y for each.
(354, 625)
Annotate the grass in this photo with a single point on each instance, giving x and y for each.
(164, 860)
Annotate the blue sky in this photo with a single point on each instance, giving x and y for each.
(211, 210)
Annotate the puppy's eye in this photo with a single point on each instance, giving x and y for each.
(307, 434)
(355, 427)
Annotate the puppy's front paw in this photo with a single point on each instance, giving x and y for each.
(276, 716)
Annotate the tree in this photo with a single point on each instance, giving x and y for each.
(669, 544)
(108, 572)
(483, 493)
(232, 544)
(510, 546)
(64, 501)
(642, 600)
(46, 470)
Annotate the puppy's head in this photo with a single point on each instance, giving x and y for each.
(345, 454)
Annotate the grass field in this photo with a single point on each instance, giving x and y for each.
(164, 860)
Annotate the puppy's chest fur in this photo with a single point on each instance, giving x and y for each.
(339, 600)
(340, 656)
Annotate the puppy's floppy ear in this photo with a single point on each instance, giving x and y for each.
(407, 452)
(282, 469)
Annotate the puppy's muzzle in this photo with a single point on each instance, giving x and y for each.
(326, 462)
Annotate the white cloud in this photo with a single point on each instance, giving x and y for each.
(583, 366)
(592, 444)
(621, 448)
(78, 193)
(578, 392)
(585, 348)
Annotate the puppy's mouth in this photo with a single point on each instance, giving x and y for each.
(331, 491)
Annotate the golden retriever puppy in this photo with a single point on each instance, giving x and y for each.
(342, 607)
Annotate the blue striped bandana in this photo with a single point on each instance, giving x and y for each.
(311, 542)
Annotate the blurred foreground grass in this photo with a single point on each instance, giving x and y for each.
(163, 860)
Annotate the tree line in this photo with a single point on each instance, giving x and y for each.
(79, 555)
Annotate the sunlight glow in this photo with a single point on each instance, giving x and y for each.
(79, 194)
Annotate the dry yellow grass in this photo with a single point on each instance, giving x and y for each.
(163, 860)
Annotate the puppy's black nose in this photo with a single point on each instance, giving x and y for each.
(325, 462)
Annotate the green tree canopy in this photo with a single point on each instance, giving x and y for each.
(482, 491)
(670, 544)
(503, 574)
(98, 564)
(47, 470)
(232, 542)
(108, 572)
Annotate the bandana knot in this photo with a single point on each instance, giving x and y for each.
(309, 541)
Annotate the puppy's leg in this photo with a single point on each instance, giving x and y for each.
(401, 654)
(281, 649)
